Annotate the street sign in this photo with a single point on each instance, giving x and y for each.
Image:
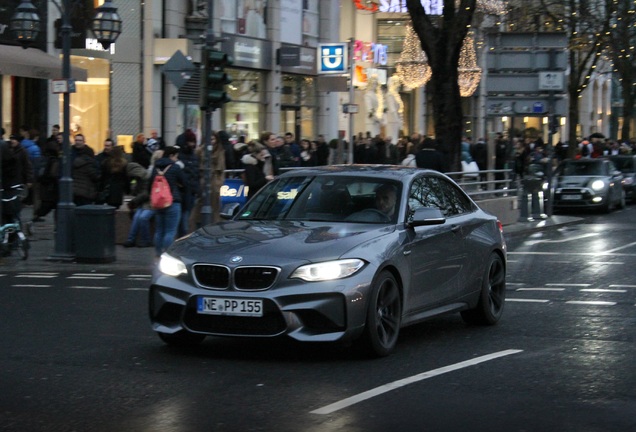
(498, 106)
(332, 58)
(178, 69)
(538, 108)
(552, 81)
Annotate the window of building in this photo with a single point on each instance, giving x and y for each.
(90, 104)
(244, 17)
(244, 114)
(298, 104)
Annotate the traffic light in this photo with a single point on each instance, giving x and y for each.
(214, 79)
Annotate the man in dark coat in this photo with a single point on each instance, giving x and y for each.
(429, 157)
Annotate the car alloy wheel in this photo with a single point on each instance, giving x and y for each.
(384, 315)
(492, 297)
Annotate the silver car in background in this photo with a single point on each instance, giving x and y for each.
(321, 255)
(588, 184)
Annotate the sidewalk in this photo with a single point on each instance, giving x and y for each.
(142, 259)
(42, 243)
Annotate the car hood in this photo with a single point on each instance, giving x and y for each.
(578, 181)
(275, 240)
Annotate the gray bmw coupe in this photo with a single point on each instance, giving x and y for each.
(336, 253)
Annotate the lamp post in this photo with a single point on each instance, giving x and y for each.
(106, 26)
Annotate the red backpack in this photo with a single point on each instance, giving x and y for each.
(160, 194)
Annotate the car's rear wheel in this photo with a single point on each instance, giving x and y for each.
(492, 297)
(384, 316)
(181, 338)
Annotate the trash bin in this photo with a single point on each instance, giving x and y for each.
(95, 234)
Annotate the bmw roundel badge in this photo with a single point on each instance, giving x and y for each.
(236, 259)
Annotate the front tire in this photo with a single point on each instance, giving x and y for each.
(492, 297)
(181, 338)
(384, 316)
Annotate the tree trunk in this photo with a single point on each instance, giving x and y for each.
(442, 39)
(628, 108)
(447, 112)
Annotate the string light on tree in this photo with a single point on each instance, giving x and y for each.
(412, 66)
(469, 72)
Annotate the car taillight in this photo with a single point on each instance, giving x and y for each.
(500, 226)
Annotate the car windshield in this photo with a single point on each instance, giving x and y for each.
(326, 198)
(591, 168)
(624, 164)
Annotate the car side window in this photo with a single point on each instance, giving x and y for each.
(424, 192)
(438, 193)
(456, 202)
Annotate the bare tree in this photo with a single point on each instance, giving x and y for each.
(622, 38)
(586, 23)
(441, 39)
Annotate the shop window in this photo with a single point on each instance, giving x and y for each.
(90, 104)
(242, 116)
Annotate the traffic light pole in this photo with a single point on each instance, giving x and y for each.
(206, 208)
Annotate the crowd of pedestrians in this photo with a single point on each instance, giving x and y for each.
(110, 176)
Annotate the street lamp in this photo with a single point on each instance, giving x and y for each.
(24, 25)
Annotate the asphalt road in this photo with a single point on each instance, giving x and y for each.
(78, 355)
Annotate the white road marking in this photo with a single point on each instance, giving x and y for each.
(145, 276)
(94, 274)
(622, 247)
(37, 275)
(30, 286)
(602, 290)
(582, 236)
(87, 277)
(526, 300)
(574, 254)
(344, 403)
(605, 262)
(622, 286)
(136, 289)
(591, 303)
(569, 284)
(89, 287)
(540, 289)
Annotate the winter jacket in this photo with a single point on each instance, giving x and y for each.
(85, 173)
(254, 175)
(11, 167)
(175, 176)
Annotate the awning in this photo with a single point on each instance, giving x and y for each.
(34, 63)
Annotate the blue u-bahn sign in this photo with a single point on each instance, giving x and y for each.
(332, 58)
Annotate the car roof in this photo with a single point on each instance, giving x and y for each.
(394, 172)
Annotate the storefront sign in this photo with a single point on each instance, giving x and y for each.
(247, 52)
(370, 52)
(233, 191)
(431, 7)
(307, 65)
(332, 58)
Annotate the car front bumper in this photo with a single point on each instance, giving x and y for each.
(309, 312)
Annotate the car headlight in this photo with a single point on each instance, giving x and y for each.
(171, 266)
(329, 270)
(598, 185)
(628, 181)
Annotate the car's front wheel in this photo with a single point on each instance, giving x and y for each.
(492, 297)
(384, 316)
(181, 338)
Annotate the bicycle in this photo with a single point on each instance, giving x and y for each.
(13, 238)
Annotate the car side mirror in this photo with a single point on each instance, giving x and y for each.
(229, 210)
(426, 216)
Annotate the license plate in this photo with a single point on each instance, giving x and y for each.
(230, 307)
(571, 197)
